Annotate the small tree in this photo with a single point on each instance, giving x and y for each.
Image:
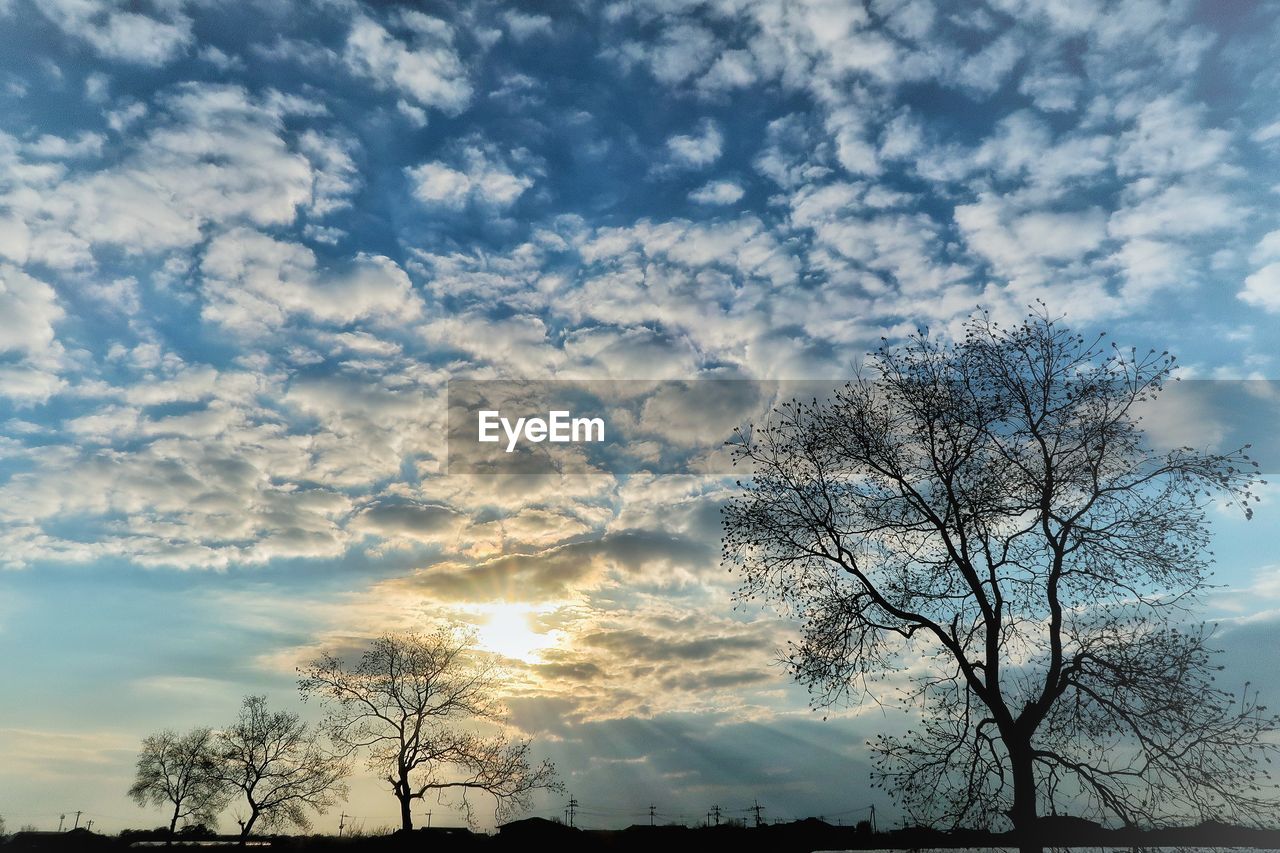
(180, 771)
(280, 766)
(406, 702)
(990, 507)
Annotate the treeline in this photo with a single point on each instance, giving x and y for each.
(276, 768)
(408, 706)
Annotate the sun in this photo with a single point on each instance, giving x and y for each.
(508, 630)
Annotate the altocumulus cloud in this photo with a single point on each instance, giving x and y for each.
(243, 251)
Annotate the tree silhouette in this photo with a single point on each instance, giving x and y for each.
(180, 771)
(992, 505)
(280, 766)
(407, 703)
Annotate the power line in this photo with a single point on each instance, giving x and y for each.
(571, 810)
(716, 816)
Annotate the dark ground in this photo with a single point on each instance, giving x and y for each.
(799, 837)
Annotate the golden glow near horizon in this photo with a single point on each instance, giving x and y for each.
(508, 629)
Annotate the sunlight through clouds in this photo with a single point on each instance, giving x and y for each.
(245, 248)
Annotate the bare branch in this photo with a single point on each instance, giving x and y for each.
(992, 505)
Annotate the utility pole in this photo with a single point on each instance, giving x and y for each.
(428, 820)
(571, 810)
(77, 826)
(61, 819)
(757, 808)
(89, 826)
(342, 823)
(715, 813)
(652, 809)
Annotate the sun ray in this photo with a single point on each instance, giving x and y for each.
(509, 630)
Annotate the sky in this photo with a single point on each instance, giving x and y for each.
(245, 246)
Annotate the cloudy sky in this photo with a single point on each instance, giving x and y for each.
(244, 247)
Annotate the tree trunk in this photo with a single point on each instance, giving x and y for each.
(173, 824)
(405, 794)
(1023, 812)
(247, 826)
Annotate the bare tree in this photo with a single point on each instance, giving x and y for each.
(992, 505)
(180, 771)
(280, 766)
(407, 702)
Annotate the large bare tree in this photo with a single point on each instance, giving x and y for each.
(990, 506)
(180, 772)
(280, 766)
(411, 703)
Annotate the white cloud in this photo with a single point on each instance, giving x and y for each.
(1022, 150)
(85, 144)
(681, 52)
(717, 192)
(1267, 249)
(517, 345)
(1031, 248)
(848, 126)
(902, 137)
(695, 151)
(1168, 138)
(427, 68)
(792, 155)
(190, 501)
(335, 175)
(220, 59)
(120, 119)
(119, 294)
(97, 87)
(1150, 265)
(1179, 210)
(216, 156)
(1262, 288)
(29, 309)
(436, 183)
(212, 187)
(733, 69)
(15, 238)
(480, 174)
(987, 70)
(254, 283)
(1266, 133)
(25, 384)
(523, 26)
(1061, 236)
(814, 206)
(1050, 89)
(1183, 416)
(117, 30)
(417, 116)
